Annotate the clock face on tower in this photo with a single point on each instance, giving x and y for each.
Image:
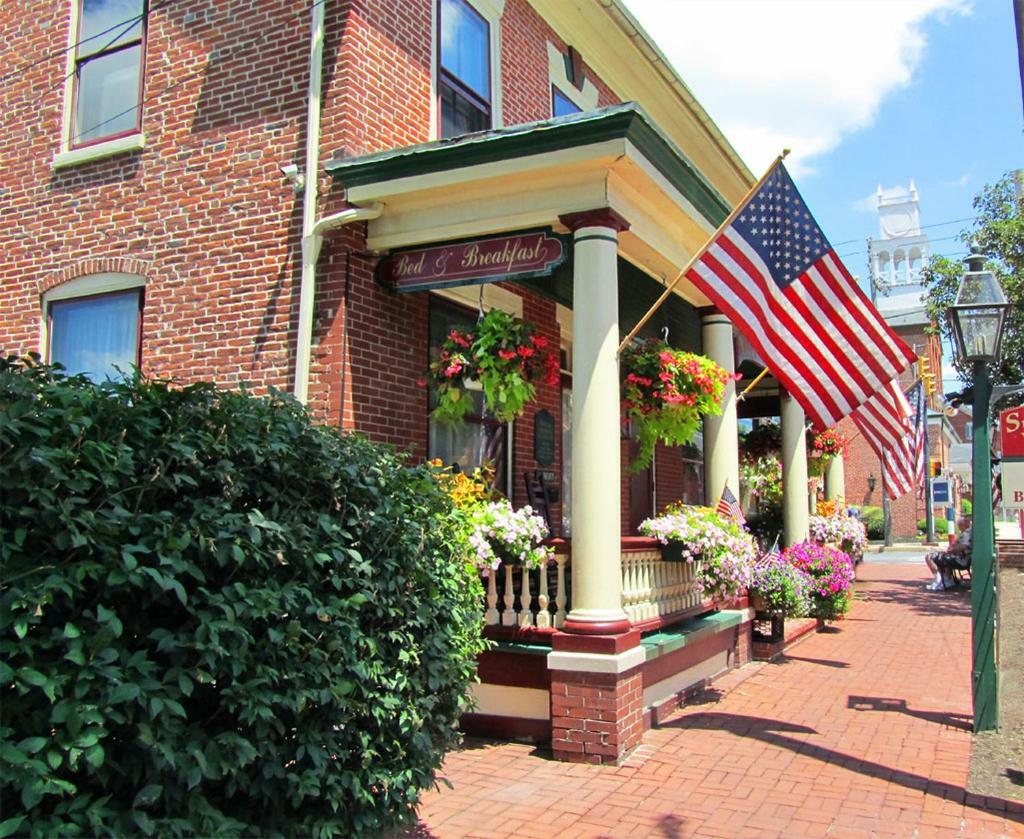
(897, 223)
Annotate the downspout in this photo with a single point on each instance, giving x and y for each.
(310, 250)
(312, 230)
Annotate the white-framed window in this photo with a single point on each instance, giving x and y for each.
(105, 79)
(93, 325)
(571, 90)
(467, 66)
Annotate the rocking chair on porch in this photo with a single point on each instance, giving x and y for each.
(540, 495)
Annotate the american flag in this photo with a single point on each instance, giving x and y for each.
(729, 507)
(777, 278)
(895, 441)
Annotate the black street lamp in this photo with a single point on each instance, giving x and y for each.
(977, 324)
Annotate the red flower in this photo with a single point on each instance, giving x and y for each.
(552, 373)
(421, 382)
(539, 341)
(525, 352)
(459, 338)
(506, 355)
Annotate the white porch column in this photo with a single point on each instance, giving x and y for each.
(835, 479)
(721, 433)
(795, 522)
(596, 489)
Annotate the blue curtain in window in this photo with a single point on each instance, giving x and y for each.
(97, 336)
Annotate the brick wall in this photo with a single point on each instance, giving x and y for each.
(596, 717)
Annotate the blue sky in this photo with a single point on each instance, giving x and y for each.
(865, 92)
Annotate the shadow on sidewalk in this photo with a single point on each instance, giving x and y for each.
(882, 703)
(955, 602)
(825, 662)
(770, 731)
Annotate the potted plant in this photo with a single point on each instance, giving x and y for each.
(501, 534)
(830, 575)
(778, 587)
(666, 392)
(841, 531)
(724, 551)
(504, 355)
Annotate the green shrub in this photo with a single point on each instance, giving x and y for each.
(873, 522)
(941, 526)
(966, 507)
(217, 618)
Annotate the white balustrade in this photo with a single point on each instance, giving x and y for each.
(652, 588)
(525, 610)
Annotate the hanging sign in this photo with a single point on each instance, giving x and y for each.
(517, 256)
(1011, 439)
(940, 491)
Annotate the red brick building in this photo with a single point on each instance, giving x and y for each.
(207, 189)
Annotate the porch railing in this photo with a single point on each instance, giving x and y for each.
(653, 588)
(540, 598)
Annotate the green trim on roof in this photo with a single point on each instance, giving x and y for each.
(625, 121)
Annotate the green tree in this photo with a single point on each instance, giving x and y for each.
(999, 232)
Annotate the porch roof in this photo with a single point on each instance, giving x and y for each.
(529, 175)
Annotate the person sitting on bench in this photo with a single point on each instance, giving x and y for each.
(943, 563)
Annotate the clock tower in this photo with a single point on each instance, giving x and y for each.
(899, 254)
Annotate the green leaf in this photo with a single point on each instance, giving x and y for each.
(147, 795)
(21, 627)
(33, 677)
(31, 745)
(124, 693)
(71, 631)
(9, 826)
(143, 821)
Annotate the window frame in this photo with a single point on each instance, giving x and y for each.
(490, 12)
(89, 287)
(70, 141)
(556, 91)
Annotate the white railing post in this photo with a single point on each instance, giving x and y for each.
(525, 600)
(561, 598)
(508, 616)
(491, 616)
(543, 615)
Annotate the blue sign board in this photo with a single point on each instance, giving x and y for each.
(940, 491)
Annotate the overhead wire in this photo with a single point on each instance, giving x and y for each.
(24, 68)
(922, 227)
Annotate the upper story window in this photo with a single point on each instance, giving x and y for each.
(93, 325)
(561, 105)
(464, 69)
(108, 62)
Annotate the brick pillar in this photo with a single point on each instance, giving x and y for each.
(597, 697)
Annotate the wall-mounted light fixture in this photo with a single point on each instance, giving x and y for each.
(872, 480)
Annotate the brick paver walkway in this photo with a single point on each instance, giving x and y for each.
(863, 730)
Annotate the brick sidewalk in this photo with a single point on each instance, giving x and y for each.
(863, 730)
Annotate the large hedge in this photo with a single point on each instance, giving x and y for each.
(216, 617)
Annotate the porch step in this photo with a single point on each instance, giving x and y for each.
(689, 632)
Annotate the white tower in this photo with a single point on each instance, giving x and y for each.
(899, 254)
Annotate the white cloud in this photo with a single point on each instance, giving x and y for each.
(792, 73)
(869, 203)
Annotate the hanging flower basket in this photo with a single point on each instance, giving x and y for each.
(504, 355)
(666, 392)
(823, 448)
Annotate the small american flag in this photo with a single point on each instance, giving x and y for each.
(777, 278)
(729, 507)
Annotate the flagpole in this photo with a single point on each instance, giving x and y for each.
(700, 252)
(750, 387)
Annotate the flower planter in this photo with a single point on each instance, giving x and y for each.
(757, 602)
(672, 552)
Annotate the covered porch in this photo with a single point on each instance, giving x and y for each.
(593, 644)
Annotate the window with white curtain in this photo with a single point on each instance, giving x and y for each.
(97, 335)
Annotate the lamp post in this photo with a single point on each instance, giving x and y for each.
(977, 324)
